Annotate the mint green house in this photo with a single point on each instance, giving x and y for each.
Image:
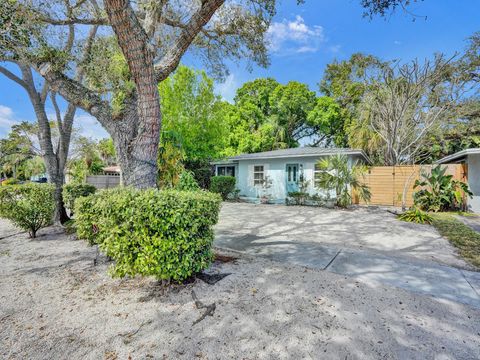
(278, 172)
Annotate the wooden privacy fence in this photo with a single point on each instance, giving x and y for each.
(387, 183)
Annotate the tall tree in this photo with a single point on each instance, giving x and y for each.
(291, 104)
(345, 82)
(152, 37)
(408, 103)
(20, 30)
(193, 112)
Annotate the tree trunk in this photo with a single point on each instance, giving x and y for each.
(57, 178)
(137, 162)
(138, 155)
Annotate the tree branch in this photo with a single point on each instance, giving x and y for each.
(13, 77)
(172, 58)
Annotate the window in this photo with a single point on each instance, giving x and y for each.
(316, 174)
(258, 175)
(226, 170)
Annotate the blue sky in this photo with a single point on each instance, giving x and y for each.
(305, 38)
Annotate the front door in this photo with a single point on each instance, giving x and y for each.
(292, 177)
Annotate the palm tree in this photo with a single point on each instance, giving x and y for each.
(336, 174)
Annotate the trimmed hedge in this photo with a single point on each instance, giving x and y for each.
(167, 234)
(29, 206)
(73, 191)
(223, 185)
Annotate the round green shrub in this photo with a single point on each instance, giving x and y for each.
(163, 233)
(29, 207)
(187, 182)
(223, 185)
(71, 192)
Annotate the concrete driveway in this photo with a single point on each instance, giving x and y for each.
(370, 244)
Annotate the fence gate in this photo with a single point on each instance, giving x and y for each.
(387, 183)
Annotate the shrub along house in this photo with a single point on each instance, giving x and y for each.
(276, 173)
(470, 160)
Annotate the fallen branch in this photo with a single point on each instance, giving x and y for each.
(129, 335)
(209, 309)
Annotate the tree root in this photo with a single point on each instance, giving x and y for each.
(209, 309)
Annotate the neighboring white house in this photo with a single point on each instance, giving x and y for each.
(281, 168)
(471, 158)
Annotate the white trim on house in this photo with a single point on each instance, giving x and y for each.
(458, 156)
(280, 156)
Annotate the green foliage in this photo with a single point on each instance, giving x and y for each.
(336, 174)
(192, 111)
(268, 115)
(440, 192)
(202, 171)
(167, 234)
(15, 27)
(290, 106)
(327, 120)
(345, 83)
(10, 181)
(170, 161)
(107, 71)
(416, 215)
(223, 185)
(297, 198)
(16, 151)
(71, 192)
(87, 158)
(187, 182)
(29, 207)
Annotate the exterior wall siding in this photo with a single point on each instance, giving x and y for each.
(275, 169)
(473, 162)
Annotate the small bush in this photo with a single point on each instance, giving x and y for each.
(73, 191)
(297, 198)
(167, 234)
(223, 185)
(10, 181)
(29, 207)
(440, 192)
(417, 216)
(187, 182)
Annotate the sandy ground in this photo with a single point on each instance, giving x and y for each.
(55, 304)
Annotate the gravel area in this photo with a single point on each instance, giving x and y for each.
(55, 304)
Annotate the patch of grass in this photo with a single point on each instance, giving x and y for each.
(465, 239)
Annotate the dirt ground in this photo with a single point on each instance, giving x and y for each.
(55, 304)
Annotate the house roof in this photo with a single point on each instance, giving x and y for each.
(299, 152)
(458, 156)
(113, 168)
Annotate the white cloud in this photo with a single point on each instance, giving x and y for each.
(6, 120)
(90, 127)
(294, 36)
(227, 88)
(397, 42)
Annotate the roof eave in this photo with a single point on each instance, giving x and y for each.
(458, 156)
(352, 152)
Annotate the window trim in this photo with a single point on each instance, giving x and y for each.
(225, 171)
(261, 180)
(315, 172)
